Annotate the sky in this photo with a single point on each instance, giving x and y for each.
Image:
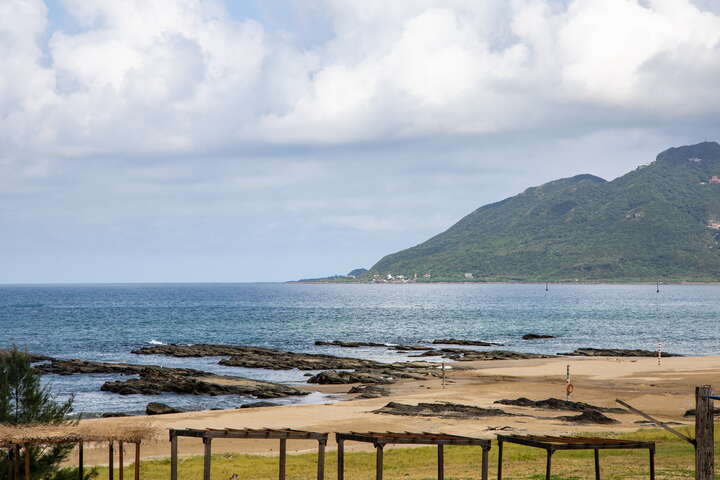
(255, 140)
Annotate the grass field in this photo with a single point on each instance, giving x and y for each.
(674, 460)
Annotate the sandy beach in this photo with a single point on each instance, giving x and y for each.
(666, 391)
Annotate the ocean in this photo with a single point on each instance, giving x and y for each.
(104, 322)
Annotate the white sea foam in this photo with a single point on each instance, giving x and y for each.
(156, 342)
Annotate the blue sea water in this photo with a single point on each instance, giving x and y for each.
(105, 322)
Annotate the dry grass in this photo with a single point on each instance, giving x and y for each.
(10, 434)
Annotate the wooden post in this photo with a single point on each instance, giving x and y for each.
(283, 453)
(321, 460)
(111, 460)
(652, 463)
(121, 459)
(704, 441)
(137, 460)
(485, 466)
(81, 461)
(379, 461)
(208, 458)
(597, 464)
(441, 462)
(500, 452)
(548, 466)
(173, 455)
(27, 462)
(341, 459)
(16, 462)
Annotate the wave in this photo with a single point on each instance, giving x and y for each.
(156, 342)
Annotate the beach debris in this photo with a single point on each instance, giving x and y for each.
(649, 423)
(536, 336)
(334, 377)
(369, 391)
(259, 405)
(496, 429)
(442, 410)
(616, 352)
(157, 408)
(558, 404)
(339, 343)
(455, 341)
(589, 417)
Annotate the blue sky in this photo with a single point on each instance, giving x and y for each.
(201, 140)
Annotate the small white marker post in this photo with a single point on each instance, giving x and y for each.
(659, 353)
(568, 385)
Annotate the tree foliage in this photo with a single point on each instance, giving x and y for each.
(24, 401)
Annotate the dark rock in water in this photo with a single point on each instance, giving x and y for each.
(616, 352)
(338, 343)
(589, 417)
(259, 405)
(369, 391)
(443, 410)
(258, 357)
(557, 404)
(473, 355)
(409, 348)
(692, 412)
(114, 415)
(333, 377)
(454, 341)
(536, 336)
(157, 408)
(75, 367)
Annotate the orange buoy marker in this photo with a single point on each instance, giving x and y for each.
(569, 388)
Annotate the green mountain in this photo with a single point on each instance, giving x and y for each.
(658, 222)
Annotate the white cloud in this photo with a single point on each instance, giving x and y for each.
(403, 117)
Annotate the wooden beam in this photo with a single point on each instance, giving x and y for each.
(137, 460)
(81, 461)
(121, 459)
(485, 464)
(656, 422)
(27, 462)
(341, 459)
(548, 465)
(111, 460)
(16, 462)
(321, 460)
(208, 458)
(500, 459)
(597, 464)
(441, 462)
(378, 461)
(704, 442)
(652, 463)
(173, 456)
(283, 458)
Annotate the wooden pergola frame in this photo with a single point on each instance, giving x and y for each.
(408, 438)
(79, 440)
(552, 444)
(208, 434)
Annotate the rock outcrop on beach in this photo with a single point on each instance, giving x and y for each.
(442, 410)
(369, 391)
(616, 352)
(338, 343)
(454, 341)
(558, 404)
(333, 377)
(536, 336)
(692, 412)
(259, 405)
(154, 380)
(259, 357)
(157, 408)
(465, 355)
(589, 417)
